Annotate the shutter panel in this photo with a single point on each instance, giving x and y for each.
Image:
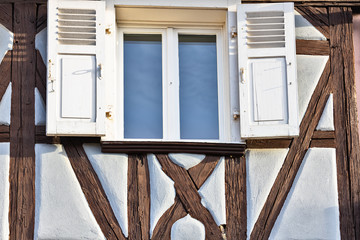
(267, 68)
(75, 85)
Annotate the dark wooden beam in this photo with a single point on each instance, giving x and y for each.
(312, 47)
(317, 16)
(92, 189)
(4, 133)
(324, 135)
(41, 22)
(313, 3)
(345, 118)
(22, 128)
(188, 195)
(268, 143)
(203, 170)
(293, 160)
(173, 147)
(6, 16)
(138, 197)
(41, 76)
(236, 204)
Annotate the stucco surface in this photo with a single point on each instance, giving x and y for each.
(186, 160)
(309, 70)
(311, 209)
(40, 113)
(326, 122)
(305, 30)
(6, 41)
(41, 43)
(187, 228)
(112, 171)
(162, 191)
(61, 209)
(5, 107)
(4, 189)
(262, 167)
(212, 193)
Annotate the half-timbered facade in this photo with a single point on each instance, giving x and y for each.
(78, 176)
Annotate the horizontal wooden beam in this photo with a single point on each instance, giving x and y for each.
(309, 2)
(312, 47)
(223, 149)
(268, 143)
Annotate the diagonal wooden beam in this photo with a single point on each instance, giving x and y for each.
(41, 21)
(345, 119)
(187, 193)
(317, 16)
(138, 197)
(198, 174)
(235, 187)
(6, 16)
(92, 189)
(5, 73)
(293, 160)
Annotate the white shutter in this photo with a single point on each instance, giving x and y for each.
(75, 85)
(267, 68)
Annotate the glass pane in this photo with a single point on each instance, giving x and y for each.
(142, 86)
(198, 87)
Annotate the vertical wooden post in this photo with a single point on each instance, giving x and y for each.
(22, 128)
(235, 187)
(345, 117)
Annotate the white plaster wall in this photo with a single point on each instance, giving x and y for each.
(305, 30)
(162, 191)
(309, 70)
(4, 189)
(311, 209)
(41, 44)
(40, 114)
(112, 171)
(262, 167)
(61, 209)
(187, 228)
(212, 193)
(186, 160)
(5, 107)
(326, 122)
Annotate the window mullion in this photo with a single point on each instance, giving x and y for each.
(171, 90)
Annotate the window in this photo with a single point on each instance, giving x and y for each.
(184, 72)
(171, 81)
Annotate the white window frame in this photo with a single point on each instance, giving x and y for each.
(170, 80)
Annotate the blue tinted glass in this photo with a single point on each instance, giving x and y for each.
(142, 86)
(198, 87)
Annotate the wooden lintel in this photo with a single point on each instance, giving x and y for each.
(268, 143)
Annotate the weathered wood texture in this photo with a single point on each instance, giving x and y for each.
(6, 16)
(198, 174)
(188, 195)
(138, 197)
(135, 147)
(314, 3)
(312, 47)
(22, 128)
(345, 118)
(41, 22)
(92, 188)
(235, 187)
(293, 160)
(4, 133)
(268, 143)
(317, 16)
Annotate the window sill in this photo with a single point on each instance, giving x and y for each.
(223, 149)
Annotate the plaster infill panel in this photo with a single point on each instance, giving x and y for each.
(326, 122)
(40, 114)
(187, 228)
(61, 209)
(186, 160)
(305, 30)
(262, 167)
(311, 210)
(162, 191)
(212, 193)
(6, 41)
(4, 189)
(309, 71)
(41, 44)
(5, 107)
(112, 170)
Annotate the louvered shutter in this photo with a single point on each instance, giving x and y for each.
(75, 81)
(267, 68)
